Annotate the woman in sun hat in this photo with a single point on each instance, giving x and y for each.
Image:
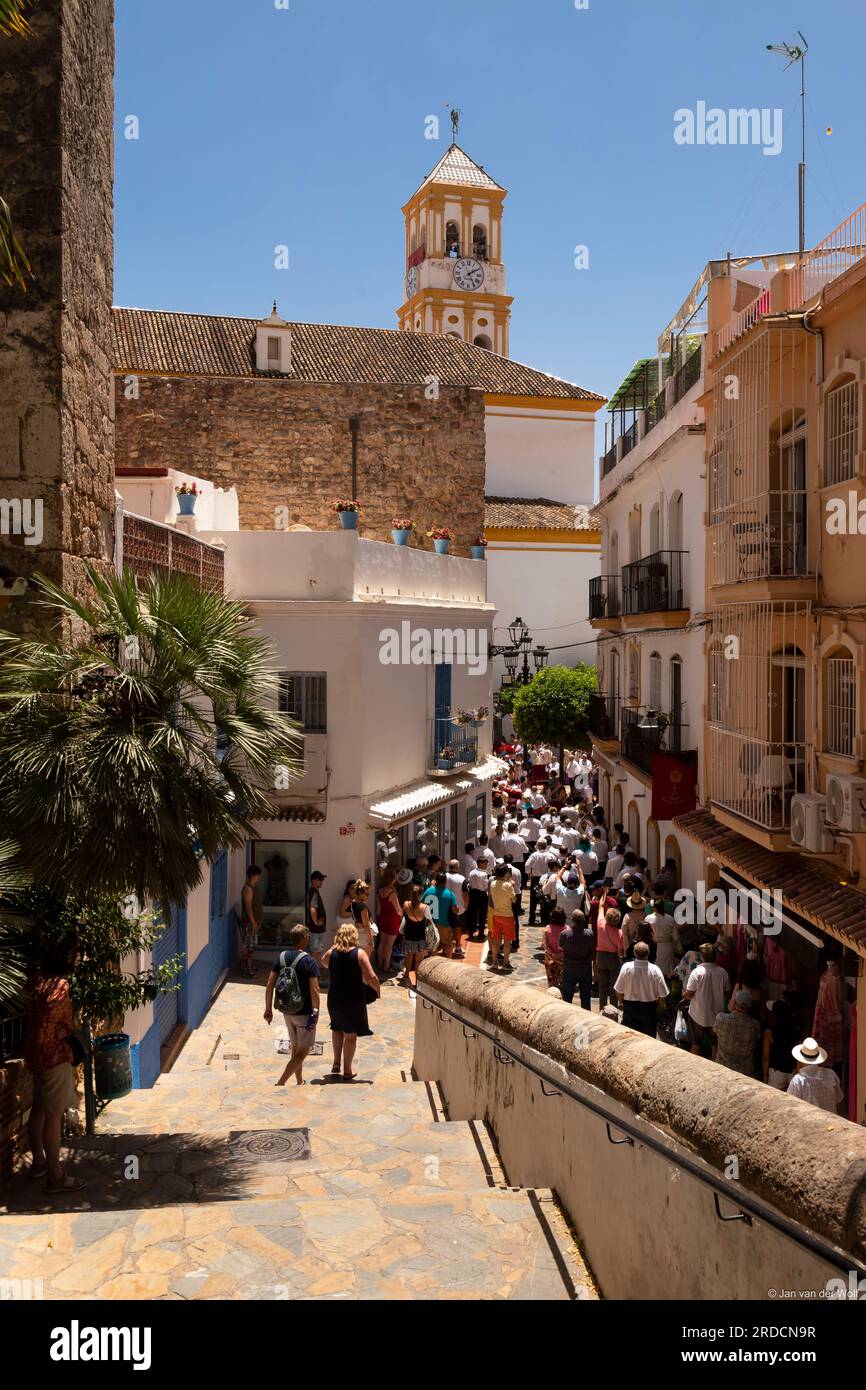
(814, 1082)
(632, 918)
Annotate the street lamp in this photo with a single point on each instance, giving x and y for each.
(540, 657)
(518, 632)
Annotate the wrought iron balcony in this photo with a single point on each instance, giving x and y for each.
(646, 732)
(608, 461)
(450, 746)
(654, 584)
(629, 438)
(754, 778)
(604, 716)
(688, 374)
(604, 596)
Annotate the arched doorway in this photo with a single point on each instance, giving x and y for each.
(633, 827)
(616, 814)
(653, 847)
(672, 851)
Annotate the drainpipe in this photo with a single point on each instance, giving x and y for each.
(354, 426)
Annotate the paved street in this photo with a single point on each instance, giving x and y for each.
(366, 1210)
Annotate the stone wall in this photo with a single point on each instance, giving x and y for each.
(56, 388)
(286, 444)
(649, 1226)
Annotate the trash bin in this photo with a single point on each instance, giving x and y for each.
(112, 1066)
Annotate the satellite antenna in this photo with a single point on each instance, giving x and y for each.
(797, 54)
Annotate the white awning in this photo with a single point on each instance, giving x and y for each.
(422, 796)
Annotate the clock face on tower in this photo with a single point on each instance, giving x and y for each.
(411, 281)
(468, 274)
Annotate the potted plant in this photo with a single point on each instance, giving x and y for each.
(460, 718)
(401, 529)
(478, 547)
(187, 496)
(478, 716)
(446, 758)
(347, 510)
(441, 538)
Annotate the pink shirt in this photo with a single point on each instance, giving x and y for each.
(609, 938)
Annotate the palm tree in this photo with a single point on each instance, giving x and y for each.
(143, 746)
(14, 265)
(13, 928)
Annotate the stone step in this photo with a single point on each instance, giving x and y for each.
(413, 1243)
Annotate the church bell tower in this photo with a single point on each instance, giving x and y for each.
(454, 280)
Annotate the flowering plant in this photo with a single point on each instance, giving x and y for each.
(440, 533)
(187, 490)
(343, 505)
(402, 523)
(480, 540)
(447, 752)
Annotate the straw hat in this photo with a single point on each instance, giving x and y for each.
(636, 900)
(809, 1052)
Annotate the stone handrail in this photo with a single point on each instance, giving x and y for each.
(798, 1160)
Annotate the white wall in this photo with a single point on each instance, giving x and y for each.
(155, 498)
(540, 453)
(548, 587)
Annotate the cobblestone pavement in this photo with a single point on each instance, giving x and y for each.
(358, 1190)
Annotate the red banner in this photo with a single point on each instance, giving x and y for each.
(417, 257)
(675, 784)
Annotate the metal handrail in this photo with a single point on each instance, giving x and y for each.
(833, 1254)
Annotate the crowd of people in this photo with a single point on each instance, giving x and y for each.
(608, 928)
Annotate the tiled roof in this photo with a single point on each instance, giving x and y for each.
(455, 166)
(174, 344)
(536, 513)
(808, 886)
(309, 815)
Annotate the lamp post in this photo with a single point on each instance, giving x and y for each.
(516, 657)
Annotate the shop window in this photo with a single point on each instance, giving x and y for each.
(282, 887)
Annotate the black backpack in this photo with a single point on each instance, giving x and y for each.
(290, 994)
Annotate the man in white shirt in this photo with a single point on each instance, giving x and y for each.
(530, 829)
(572, 769)
(476, 911)
(615, 862)
(708, 988)
(566, 836)
(514, 844)
(495, 840)
(484, 855)
(814, 1082)
(587, 860)
(628, 869)
(536, 869)
(466, 861)
(639, 987)
(537, 799)
(457, 882)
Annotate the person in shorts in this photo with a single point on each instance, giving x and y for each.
(500, 930)
(315, 916)
(442, 902)
(301, 1027)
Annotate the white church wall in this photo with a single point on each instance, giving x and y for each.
(548, 587)
(535, 453)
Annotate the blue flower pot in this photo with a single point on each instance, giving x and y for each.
(445, 764)
(186, 503)
(478, 552)
(348, 520)
(441, 547)
(400, 536)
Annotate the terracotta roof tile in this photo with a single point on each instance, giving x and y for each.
(536, 513)
(809, 887)
(174, 344)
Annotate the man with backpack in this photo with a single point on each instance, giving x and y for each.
(293, 985)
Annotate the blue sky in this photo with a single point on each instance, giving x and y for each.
(261, 126)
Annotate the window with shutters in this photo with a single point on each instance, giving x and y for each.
(303, 697)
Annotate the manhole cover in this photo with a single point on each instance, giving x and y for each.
(270, 1145)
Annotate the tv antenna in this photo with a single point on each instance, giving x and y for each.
(797, 54)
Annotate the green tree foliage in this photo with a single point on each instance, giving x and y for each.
(553, 707)
(136, 751)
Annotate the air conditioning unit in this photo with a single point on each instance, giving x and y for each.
(808, 829)
(846, 800)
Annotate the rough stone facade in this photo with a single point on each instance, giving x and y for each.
(56, 387)
(288, 445)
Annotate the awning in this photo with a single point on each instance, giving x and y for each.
(422, 796)
(810, 888)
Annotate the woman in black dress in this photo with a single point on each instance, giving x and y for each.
(349, 970)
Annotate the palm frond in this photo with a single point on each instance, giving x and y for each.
(12, 19)
(15, 268)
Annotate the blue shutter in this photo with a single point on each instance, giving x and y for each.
(443, 704)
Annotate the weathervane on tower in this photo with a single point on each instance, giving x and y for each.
(456, 113)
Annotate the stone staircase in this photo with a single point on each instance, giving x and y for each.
(217, 1184)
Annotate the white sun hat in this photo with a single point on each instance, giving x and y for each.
(809, 1052)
